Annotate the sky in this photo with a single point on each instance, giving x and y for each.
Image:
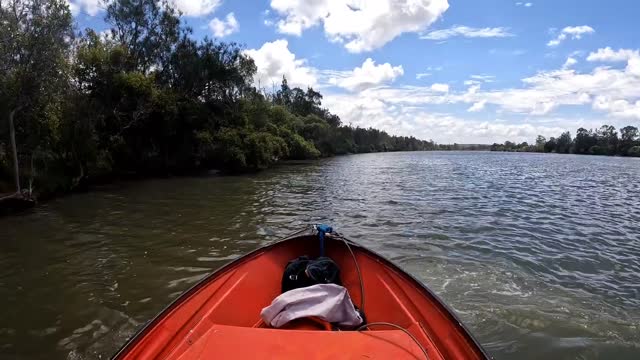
(466, 71)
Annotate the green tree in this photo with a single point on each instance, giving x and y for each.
(550, 146)
(634, 151)
(628, 139)
(563, 143)
(35, 38)
(283, 96)
(147, 98)
(148, 28)
(585, 140)
(607, 140)
(264, 149)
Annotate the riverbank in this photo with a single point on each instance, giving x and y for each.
(15, 203)
(602, 141)
(12, 203)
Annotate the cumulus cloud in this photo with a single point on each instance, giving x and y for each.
(222, 28)
(90, 7)
(632, 57)
(364, 111)
(274, 60)
(569, 63)
(366, 76)
(615, 92)
(609, 55)
(479, 106)
(633, 66)
(196, 7)
(440, 87)
(447, 128)
(358, 25)
(525, 4)
(573, 32)
(619, 108)
(483, 78)
(468, 32)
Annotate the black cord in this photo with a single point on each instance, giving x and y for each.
(346, 242)
(424, 351)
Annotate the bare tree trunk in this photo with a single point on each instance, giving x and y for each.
(12, 132)
(32, 175)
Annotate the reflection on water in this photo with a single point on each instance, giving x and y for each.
(539, 254)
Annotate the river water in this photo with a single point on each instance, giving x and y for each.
(538, 254)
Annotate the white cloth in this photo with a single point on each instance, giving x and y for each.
(329, 302)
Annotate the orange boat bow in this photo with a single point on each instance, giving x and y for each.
(219, 318)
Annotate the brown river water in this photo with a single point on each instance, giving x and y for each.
(539, 254)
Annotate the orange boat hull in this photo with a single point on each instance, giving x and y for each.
(219, 318)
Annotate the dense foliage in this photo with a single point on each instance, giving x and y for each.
(146, 98)
(602, 141)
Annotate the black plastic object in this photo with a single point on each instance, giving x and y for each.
(303, 272)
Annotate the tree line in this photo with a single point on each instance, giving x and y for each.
(602, 141)
(145, 97)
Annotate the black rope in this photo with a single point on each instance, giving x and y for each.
(366, 326)
(355, 261)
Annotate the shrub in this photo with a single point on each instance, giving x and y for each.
(634, 151)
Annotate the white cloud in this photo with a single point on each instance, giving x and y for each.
(633, 66)
(407, 110)
(359, 25)
(528, 4)
(553, 42)
(484, 78)
(196, 7)
(90, 7)
(632, 57)
(479, 106)
(440, 87)
(222, 28)
(422, 75)
(466, 31)
(274, 60)
(365, 111)
(609, 55)
(619, 108)
(106, 35)
(574, 32)
(449, 129)
(366, 76)
(569, 63)
(540, 94)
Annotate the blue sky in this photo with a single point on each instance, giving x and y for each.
(453, 71)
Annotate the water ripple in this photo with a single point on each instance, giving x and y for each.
(539, 254)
